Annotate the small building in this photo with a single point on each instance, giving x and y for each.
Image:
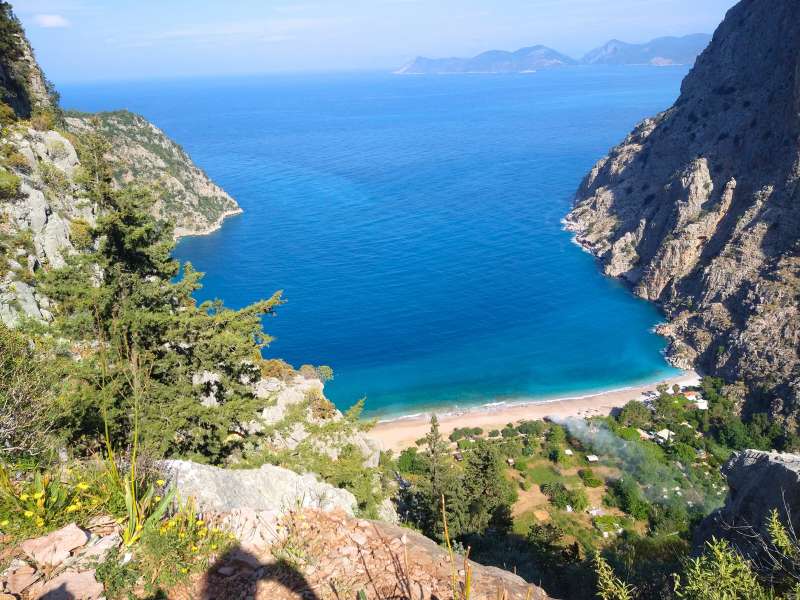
(568, 452)
(592, 458)
(701, 404)
(691, 395)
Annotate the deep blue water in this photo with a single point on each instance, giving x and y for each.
(414, 225)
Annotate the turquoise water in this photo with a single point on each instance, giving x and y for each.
(414, 225)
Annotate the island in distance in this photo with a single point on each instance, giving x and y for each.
(663, 51)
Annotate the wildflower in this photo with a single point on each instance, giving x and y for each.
(28, 513)
(200, 522)
(4, 522)
(160, 482)
(195, 548)
(82, 486)
(40, 522)
(24, 497)
(202, 533)
(184, 570)
(181, 535)
(38, 495)
(72, 508)
(213, 546)
(157, 498)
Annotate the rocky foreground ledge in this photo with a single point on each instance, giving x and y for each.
(296, 539)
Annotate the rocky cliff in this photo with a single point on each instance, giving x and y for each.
(22, 84)
(699, 208)
(759, 483)
(660, 52)
(141, 151)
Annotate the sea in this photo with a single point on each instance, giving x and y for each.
(414, 225)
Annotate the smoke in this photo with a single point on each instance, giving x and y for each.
(661, 483)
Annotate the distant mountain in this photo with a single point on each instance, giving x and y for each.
(658, 52)
(493, 61)
(661, 51)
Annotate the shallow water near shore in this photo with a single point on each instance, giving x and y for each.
(414, 225)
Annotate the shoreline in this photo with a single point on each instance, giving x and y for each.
(401, 432)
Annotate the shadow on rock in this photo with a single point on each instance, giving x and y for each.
(240, 574)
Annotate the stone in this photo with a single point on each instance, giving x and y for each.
(54, 548)
(21, 579)
(268, 488)
(98, 549)
(70, 585)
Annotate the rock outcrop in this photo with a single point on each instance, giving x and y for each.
(759, 483)
(330, 555)
(699, 208)
(22, 84)
(297, 411)
(141, 151)
(267, 489)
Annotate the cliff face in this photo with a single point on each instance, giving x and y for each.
(141, 151)
(759, 482)
(699, 207)
(22, 84)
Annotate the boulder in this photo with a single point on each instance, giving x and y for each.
(759, 482)
(70, 585)
(53, 549)
(268, 488)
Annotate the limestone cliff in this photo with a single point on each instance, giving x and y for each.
(141, 151)
(699, 207)
(759, 482)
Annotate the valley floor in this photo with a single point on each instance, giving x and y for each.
(401, 433)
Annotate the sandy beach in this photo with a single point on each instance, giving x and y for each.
(404, 431)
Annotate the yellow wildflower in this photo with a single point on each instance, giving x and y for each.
(195, 548)
(200, 522)
(157, 498)
(24, 497)
(4, 522)
(40, 522)
(184, 570)
(82, 486)
(38, 495)
(160, 482)
(28, 513)
(72, 508)
(213, 546)
(202, 533)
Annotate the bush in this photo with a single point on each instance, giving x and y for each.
(589, 478)
(44, 120)
(28, 410)
(626, 495)
(54, 178)
(9, 185)
(277, 368)
(80, 234)
(7, 115)
(410, 461)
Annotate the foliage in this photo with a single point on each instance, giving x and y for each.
(81, 234)
(277, 368)
(9, 185)
(561, 497)
(153, 338)
(54, 179)
(589, 478)
(411, 462)
(719, 574)
(29, 411)
(625, 494)
(609, 587)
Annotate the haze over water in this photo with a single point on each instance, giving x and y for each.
(414, 225)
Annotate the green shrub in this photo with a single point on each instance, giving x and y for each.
(277, 368)
(80, 234)
(9, 185)
(589, 478)
(7, 115)
(55, 179)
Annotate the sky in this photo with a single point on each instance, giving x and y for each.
(86, 40)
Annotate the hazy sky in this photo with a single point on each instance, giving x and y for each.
(118, 39)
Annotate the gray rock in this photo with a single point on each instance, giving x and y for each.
(268, 488)
(759, 483)
(697, 208)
